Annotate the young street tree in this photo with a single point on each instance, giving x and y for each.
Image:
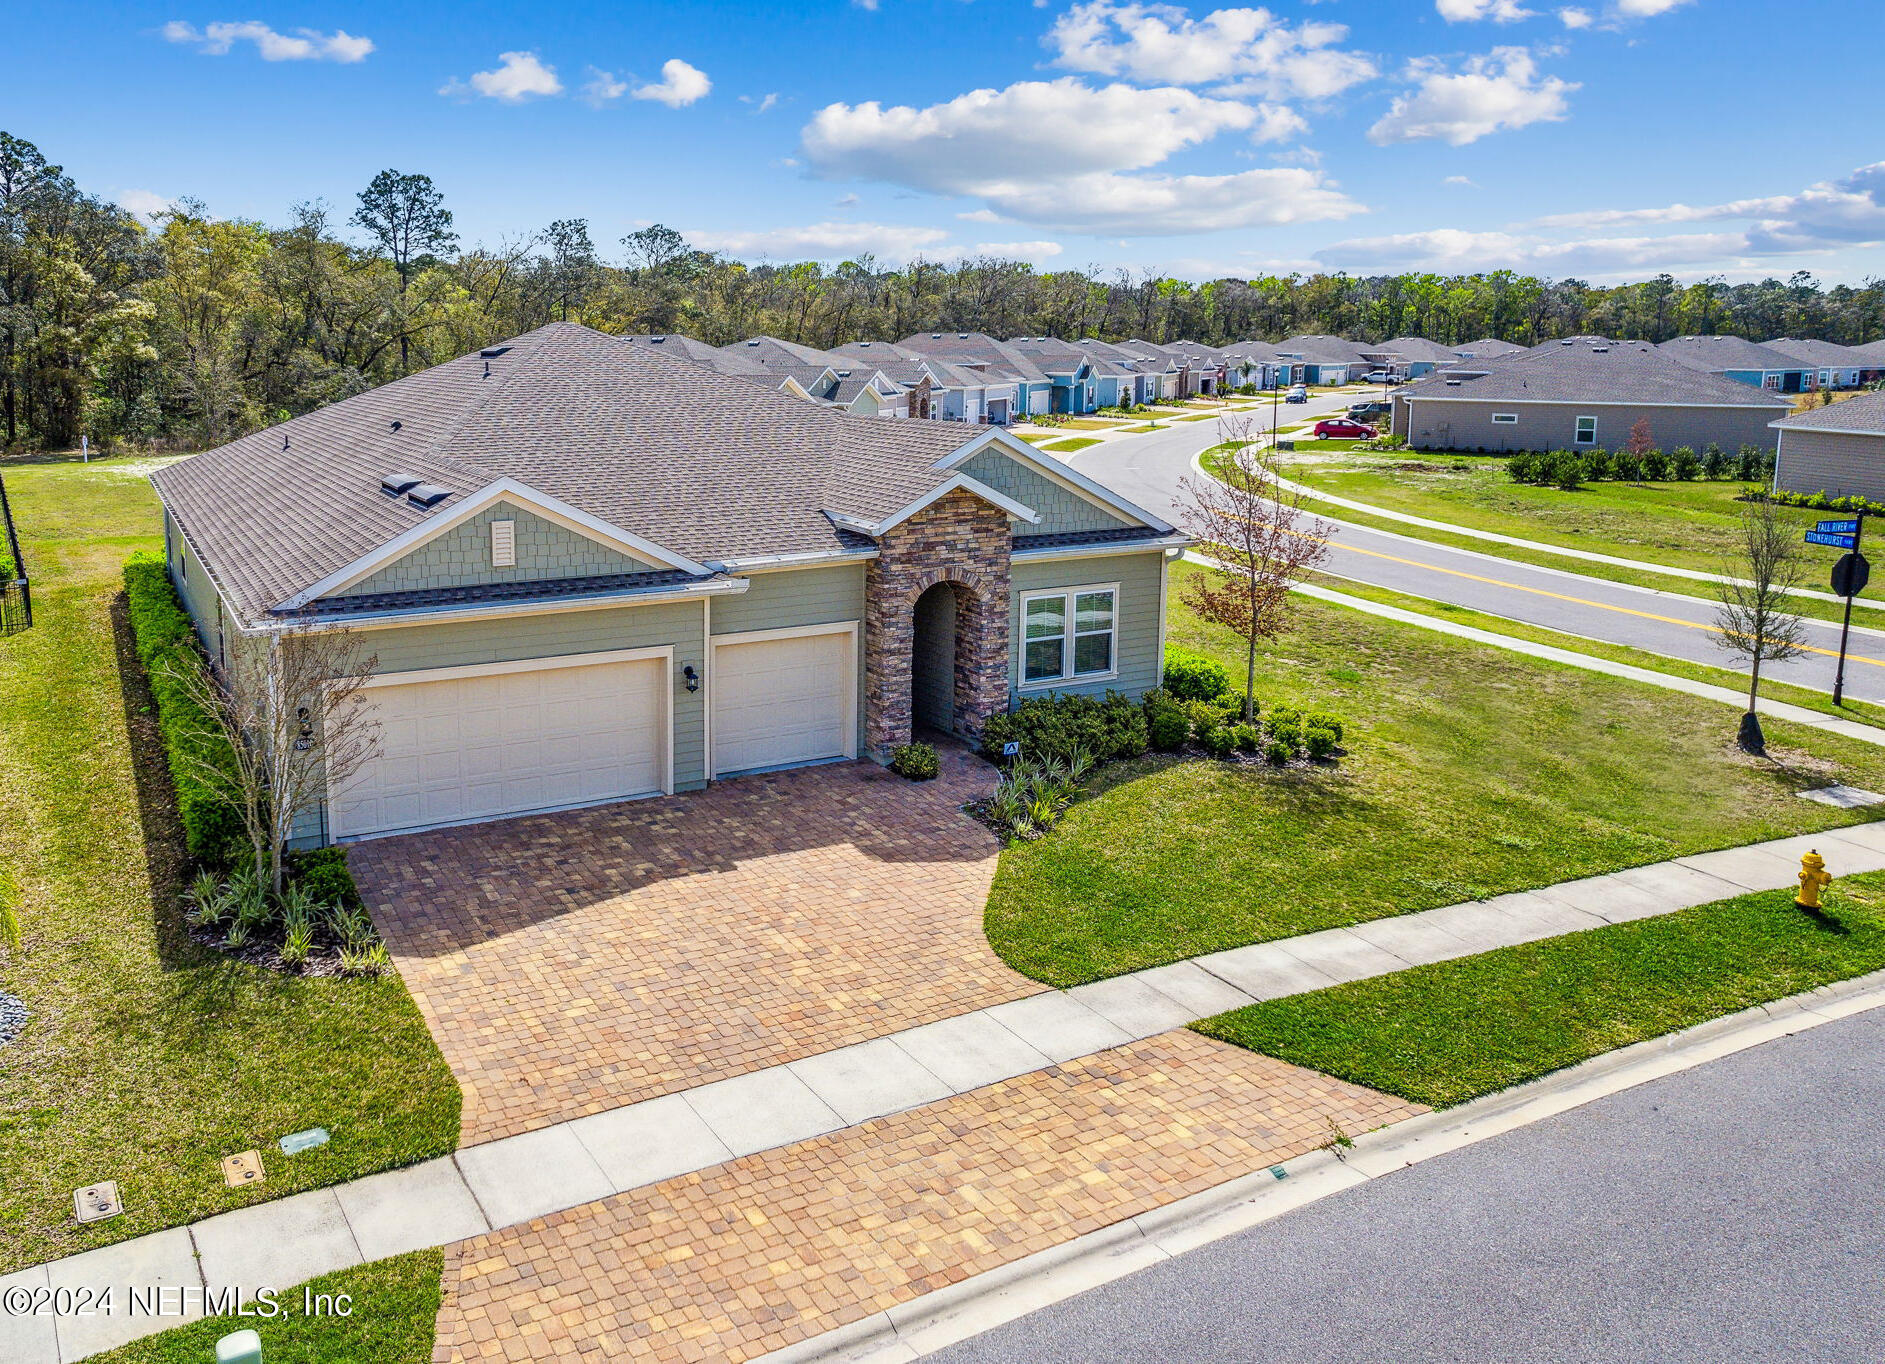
(1753, 618)
(407, 216)
(1258, 539)
(295, 719)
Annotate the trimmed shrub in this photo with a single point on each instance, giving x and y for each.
(1247, 738)
(323, 875)
(1715, 461)
(1166, 723)
(1320, 742)
(1684, 465)
(1750, 463)
(1059, 726)
(1626, 467)
(1221, 741)
(165, 641)
(1193, 677)
(1279, 754)
(916, 761)
(1655, 466)
(1321, 719)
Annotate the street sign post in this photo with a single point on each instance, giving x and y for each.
(1850, 576)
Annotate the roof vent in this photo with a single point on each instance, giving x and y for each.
(657, 340)
(427, 495)
(492, 352)
(395, 484)
(1567, 342)
(753, 342)
(1600, 350)
(1452, 383)
(397, 424)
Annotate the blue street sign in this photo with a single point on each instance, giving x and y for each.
(1837, 527)
(1814, 537)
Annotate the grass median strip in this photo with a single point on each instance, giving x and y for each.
(390, 1308)
(1069, 446)
(1456, 1030)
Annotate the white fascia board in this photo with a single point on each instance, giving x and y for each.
(1109, 550)
(503, 489)
(1786, 424)
(1064, 474)
(942, 490)
(1574, 402)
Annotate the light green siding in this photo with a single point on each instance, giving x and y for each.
(800, 596)
(461, 557)
(1062, 511)
(1140, 608)
(198, 593)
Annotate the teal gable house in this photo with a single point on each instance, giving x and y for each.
(587, 570)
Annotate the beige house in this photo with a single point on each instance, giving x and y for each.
(1838, 450)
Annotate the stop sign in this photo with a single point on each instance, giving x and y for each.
(1851, 574)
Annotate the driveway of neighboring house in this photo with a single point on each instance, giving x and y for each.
(569, 963)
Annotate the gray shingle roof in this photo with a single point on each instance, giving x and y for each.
(1619, 374)
(1328, 350)
(1827, 353)
(994, 360)
(1716, 353)
(1419, 348)
(706, 465)
(1863, 412)
(1489, 347)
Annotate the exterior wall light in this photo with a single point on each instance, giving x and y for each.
(692, 677)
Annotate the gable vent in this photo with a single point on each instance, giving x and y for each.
(395, 484)
(427, 495)
(503, 544)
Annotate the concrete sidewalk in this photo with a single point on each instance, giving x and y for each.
(504, 1183)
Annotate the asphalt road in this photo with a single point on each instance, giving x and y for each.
(1732, 1213)
(1147, 469)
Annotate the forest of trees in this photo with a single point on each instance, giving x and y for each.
(192, 329)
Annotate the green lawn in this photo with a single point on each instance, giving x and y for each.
(1454, 1030)
(1684, 525)
(1071, 444)
(1316, 444)
(1865, 712)
(148, 1058)
(1472, 771)
(391, 1319)
(1142, 428)
(1035, 438)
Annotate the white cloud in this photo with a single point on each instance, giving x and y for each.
(1456, 251)
(1028, 251)
(1573, 17)
(303, 45)
(1646, 9)
(846, 200)
(761, 103)
(1250, 51)
(824, 241)
(1465, 11)
(1459, 180)
(146, 203)
(519, 76)
(1500, 90)
(679, 86)
(602, 88)
(1052, 153)
(1277, 123)
(980, 215)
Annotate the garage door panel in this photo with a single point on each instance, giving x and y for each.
(484, 746)
(782, 701)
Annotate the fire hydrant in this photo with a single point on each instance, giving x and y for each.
(1814, 878)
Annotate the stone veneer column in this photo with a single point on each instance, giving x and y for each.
(960, 540)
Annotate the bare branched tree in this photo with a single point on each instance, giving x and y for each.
(1258, 539)
(292, 712)
(1752, 617)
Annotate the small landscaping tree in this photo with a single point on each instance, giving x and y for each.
(1753, 617)
(1252, 529)
(1641, 442)
(293, 714)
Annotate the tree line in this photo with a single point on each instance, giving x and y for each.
(188, 329)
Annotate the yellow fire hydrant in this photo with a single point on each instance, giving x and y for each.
(1814, 878)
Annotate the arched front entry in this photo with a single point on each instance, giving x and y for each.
(933, 657)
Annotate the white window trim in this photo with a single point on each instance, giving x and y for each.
(1505, 419)
(1576, 430)
(1067, 676)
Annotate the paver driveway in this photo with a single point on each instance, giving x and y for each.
(570, 963)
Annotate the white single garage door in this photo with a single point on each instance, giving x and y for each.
(783, 697)
(463, 744)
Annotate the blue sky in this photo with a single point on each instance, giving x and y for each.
(1604, 139)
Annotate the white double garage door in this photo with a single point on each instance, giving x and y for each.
(459, 745)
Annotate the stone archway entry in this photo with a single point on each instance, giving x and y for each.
(959, 546)
(933, 659)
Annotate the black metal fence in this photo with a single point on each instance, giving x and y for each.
(16, 593)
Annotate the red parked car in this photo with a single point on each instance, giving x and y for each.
(1341, 428)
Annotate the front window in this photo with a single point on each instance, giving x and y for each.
(1586, 430)
(1505, 419)
(1069, 634)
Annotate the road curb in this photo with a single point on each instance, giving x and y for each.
(923, 1325)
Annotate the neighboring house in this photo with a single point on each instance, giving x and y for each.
(1078, 380)
(589, 571)
(1838, 449)
(1580, 397)
(1836, 366)
(1411, 357)
(1486, 348)
(932, 389)
(1147, 371)
(807, 372)
(1322, 359)
(997, 366)
(1744, 361)
(1248, 364)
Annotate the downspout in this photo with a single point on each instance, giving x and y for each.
(706, 685)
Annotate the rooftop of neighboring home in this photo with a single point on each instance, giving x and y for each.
(1873, 352)
(1056, 357)
(1860, 415)
(977, 351)
(1625, 374)
(687, 348)
(1828, 354)
(571, 421)
(905, 366)
(1418, 349)
(1327, 350)
(1487, 348)
(1718, 354)
(1139, 358)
